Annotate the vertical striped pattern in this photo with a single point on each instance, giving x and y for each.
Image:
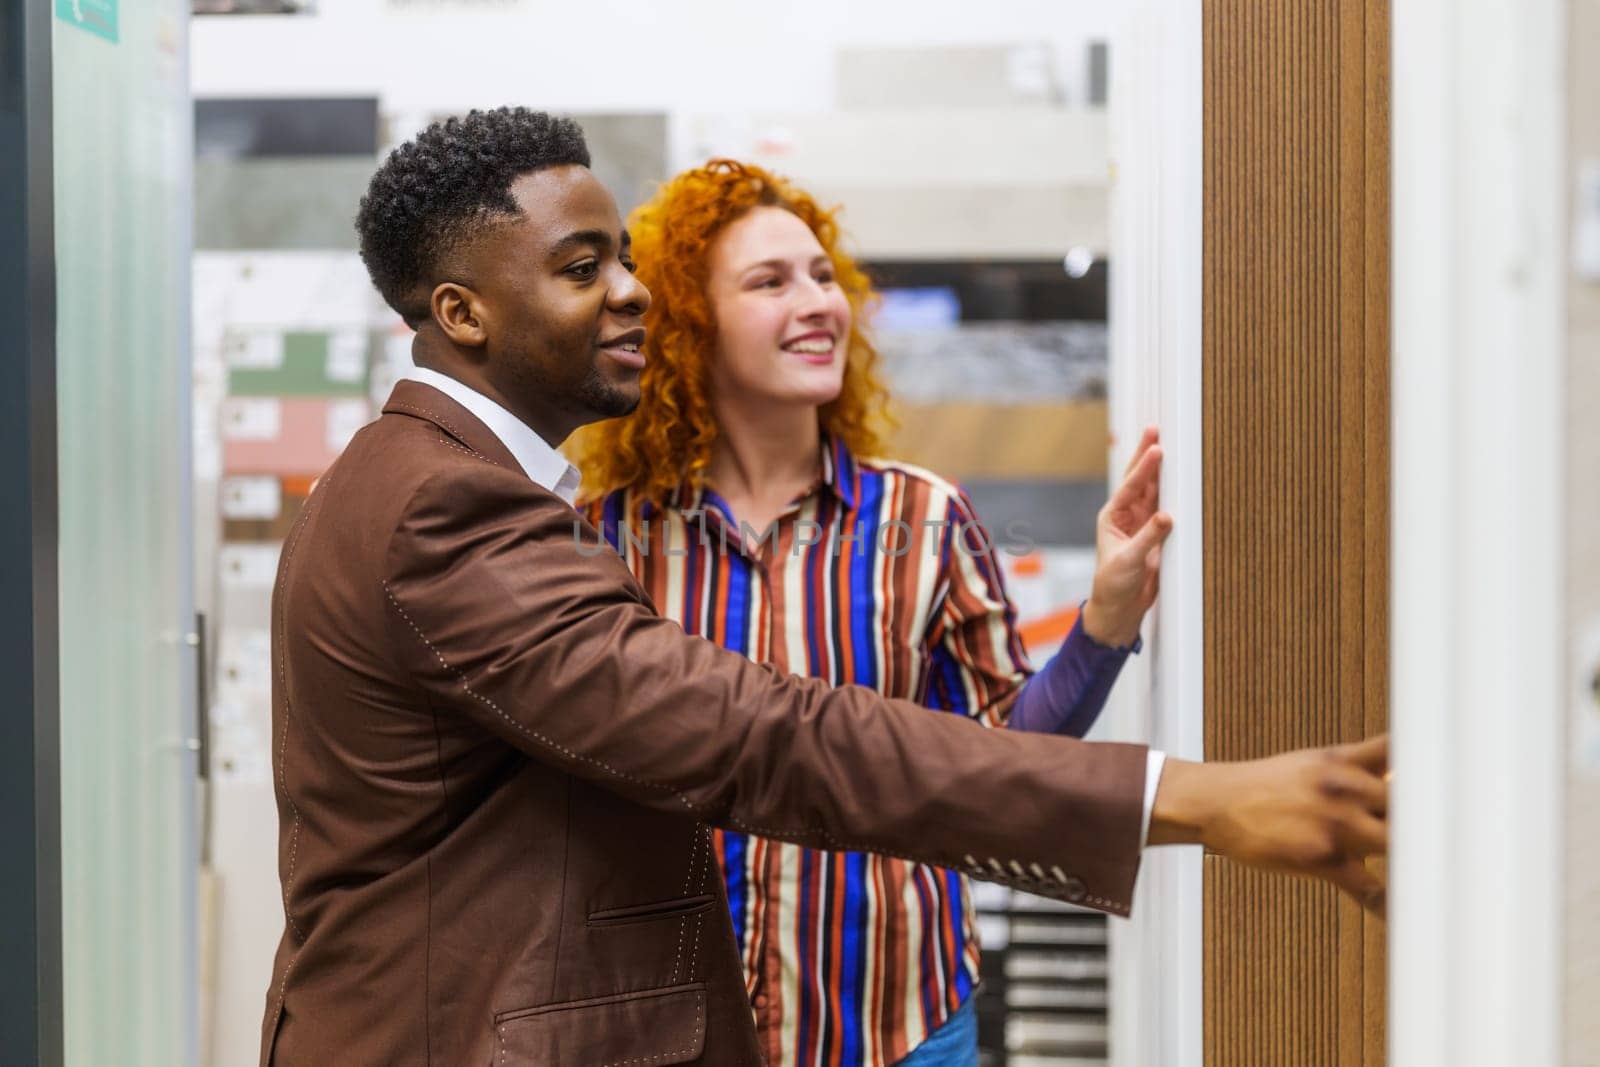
(1295, 386)
(849, 958)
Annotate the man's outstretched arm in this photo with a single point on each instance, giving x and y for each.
(558, 653)
(1317, 812)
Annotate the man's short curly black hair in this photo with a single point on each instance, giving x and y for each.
(445, 185)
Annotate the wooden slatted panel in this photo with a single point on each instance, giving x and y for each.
(1296, 505)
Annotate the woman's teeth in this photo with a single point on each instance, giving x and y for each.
(817, 347)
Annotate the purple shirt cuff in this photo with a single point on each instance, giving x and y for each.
(1070, 693)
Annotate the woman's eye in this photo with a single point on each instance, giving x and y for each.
(825, 278)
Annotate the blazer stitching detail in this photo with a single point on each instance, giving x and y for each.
(694, 850)
(294, 826)
(401, 405)
(683, 927)
(283, 746)
(694, 946)
(705, 876)
(283, 993)
(283, 779)
(519, 727)
(834, 844)
(467, 451)
(683, 923)
(699, 1024)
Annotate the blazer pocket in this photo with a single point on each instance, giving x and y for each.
(653, 1026)
(644, 913)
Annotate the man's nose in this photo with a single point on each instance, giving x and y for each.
(628, 295)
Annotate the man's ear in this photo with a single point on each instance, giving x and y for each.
(459, 312)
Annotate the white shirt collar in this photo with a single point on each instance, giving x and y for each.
(538, 460)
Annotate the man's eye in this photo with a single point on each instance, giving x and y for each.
(587, 269)
(630, 266)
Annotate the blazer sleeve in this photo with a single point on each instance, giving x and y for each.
(506, 608)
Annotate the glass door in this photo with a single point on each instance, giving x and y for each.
(122, 134)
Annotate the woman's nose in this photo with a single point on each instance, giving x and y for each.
(812, 297)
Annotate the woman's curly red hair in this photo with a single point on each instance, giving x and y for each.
(668, 440)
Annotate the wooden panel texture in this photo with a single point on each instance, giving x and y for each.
(1296, 373)
(972, 439)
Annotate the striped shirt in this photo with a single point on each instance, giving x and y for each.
(878, 575)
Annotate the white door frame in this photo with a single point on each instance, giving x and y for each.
(1156, 272)
(1476, 635)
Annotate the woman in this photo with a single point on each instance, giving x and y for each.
(745, 496)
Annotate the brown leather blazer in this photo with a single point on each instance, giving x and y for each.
(496, 764)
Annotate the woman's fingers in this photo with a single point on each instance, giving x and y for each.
(1150, 436)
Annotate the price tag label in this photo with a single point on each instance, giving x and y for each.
(251, 419)
(347, 356)
(251, 497)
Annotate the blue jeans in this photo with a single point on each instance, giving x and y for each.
(955, 1044)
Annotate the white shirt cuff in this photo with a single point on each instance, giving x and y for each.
(1154, 761)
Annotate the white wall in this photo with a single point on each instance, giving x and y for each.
(596, 55)
(1477, 563)
(1156, 348)
(1581, 933)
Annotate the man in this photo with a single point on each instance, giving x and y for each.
(495, 764)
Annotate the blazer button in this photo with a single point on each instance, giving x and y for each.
(760, 1000)
(1074, 889)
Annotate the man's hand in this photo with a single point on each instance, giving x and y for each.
(1128, 537)
(1317, 812)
